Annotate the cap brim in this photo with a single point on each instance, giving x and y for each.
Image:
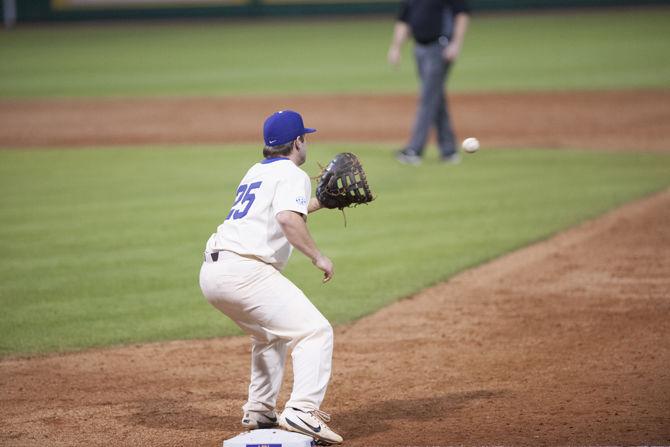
(309, 130)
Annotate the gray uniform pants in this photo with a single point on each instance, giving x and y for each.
(432, 109)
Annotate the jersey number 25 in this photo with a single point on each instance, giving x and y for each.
(245, 198)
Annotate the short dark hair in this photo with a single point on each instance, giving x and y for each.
(281, 150)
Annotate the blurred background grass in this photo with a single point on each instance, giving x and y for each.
(104, 246)
(587, 50)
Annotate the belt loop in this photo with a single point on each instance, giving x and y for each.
(212, 257)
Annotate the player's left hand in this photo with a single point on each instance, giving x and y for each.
(343, 183)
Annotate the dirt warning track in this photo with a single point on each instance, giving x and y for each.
(627, 120)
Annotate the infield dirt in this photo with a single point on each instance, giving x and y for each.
(563, 343)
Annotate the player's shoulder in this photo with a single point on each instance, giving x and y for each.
(298, 172)
(282, 167)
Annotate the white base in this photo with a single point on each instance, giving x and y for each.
(272, 437)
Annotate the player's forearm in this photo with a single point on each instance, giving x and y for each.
(313, 205)
(295, 229)
(400, 34)
(461, 22)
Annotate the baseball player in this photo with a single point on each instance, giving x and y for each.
(241, 276)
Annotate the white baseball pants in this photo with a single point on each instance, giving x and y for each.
(278, 316)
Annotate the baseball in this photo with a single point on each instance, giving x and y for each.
(470, 145)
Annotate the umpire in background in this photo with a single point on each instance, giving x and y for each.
(438, 28)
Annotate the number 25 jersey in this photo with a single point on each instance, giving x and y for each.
(251, 227)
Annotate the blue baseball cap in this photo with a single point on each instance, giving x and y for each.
(283, 127)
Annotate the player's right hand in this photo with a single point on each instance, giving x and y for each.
(324, 264)
(451, 51)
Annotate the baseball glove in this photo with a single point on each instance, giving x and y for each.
(343, 183)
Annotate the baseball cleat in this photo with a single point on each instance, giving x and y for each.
(259, 419)
(311, 423)
(408, 158)
(452, 159)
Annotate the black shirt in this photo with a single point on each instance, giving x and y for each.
(431, 19)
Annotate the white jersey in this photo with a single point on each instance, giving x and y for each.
(251, 227)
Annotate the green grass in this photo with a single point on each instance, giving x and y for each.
(511, 52)
(103, 247)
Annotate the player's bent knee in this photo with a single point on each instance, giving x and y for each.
(322, 330)
(327, 331)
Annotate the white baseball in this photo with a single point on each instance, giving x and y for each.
(470, 145)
